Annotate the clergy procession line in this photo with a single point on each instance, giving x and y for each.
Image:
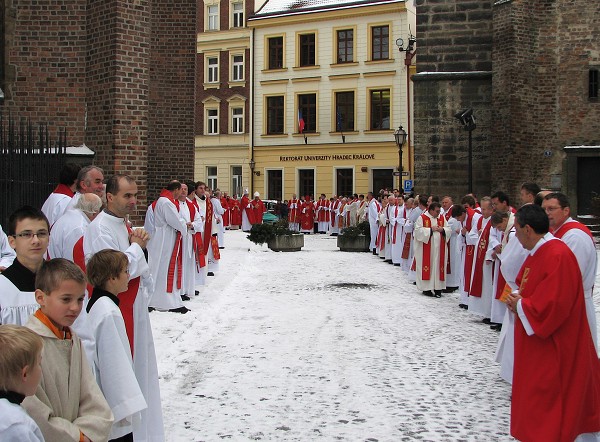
(99, 377)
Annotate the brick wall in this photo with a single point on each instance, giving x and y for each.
(172, 77)
(541, 64)
(118, 75)
(45, 64)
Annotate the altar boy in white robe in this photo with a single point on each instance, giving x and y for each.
(113, 365)
(110, 231)
(165, 251)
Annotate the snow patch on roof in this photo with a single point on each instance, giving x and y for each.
(291, 6)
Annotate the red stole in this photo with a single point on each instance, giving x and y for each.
(560, 232)
(126, 301)
(426, 263)
(482, 245)
(208, 226)
(79, 259)
(63, 189)
(500, 286)
(469, 250)
(196, 237)
(395, 226)
(176, 261)
(341, 215)
(334, 206)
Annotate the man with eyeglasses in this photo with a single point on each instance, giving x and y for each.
(70, 227)
(579, 239)
(28, 234)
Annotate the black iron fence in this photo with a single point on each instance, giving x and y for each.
(30, 163)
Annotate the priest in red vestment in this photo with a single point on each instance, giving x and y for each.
(235, 212)
(258, 208)
(307, 216)
(556, 380)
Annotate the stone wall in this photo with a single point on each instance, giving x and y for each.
(542, 55)
(454, 48)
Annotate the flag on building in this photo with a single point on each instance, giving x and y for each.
(300, 121)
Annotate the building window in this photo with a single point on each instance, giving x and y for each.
(275, 115)
(212, 121)
(275, 52)
(212, 70)
(307, 108)
(380, 42)
(237, 68)
(236, 180)
(237, 120)
(380, 109)
(344, 181)
(238, 14)
(344, 106)
(211, 177)
(275, 185)
(212, 13)
(345, 46)
(593, 84)
(307, 49)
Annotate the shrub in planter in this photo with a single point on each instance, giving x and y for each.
(362, 228)
(266, 233)
(355, 238)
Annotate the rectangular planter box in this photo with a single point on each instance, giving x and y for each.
(358, 244)
(287, 243)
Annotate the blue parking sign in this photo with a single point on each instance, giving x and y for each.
(408, 185)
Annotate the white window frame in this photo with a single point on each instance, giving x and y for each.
(237, 68)
(212, 17)
(236, 13)
(211, 179)
(212, 121)
(237, 120)
(212, 70)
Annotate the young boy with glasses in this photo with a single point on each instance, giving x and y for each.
(28, 235)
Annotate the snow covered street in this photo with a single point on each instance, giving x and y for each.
(325, 345)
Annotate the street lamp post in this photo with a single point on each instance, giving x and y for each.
(467, 119)
(409, 53)
(400, 136)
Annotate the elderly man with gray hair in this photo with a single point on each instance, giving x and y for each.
(70, 227)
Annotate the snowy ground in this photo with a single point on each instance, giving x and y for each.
(283, 346)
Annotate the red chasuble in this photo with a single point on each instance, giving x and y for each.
(476, 288)
(427, 264)
(556, 384)
(249, 213)
(235, 211)
(307, 217)
(469, 251)
(323, 215)
(258, 207)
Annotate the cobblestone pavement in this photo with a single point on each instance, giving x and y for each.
(325, 345)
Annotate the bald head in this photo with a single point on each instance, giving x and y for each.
(90, 204)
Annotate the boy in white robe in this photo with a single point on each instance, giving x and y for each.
(107, 271)
(110, 231)
(20, 373)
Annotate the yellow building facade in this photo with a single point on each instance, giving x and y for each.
(329, 89)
